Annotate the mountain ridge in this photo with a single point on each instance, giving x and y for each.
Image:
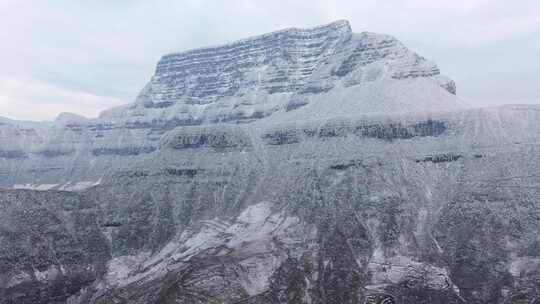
(314, 170)
(292, 74)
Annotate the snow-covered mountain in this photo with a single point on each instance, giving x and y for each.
(293, 74)
(254, 78)
(301, 166)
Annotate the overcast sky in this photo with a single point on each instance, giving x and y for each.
(86, 56)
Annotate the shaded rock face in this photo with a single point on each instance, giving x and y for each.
(202, 76)
(52, 246)
(302, 61)
(232, 179)
(338, 128)
(234, 218)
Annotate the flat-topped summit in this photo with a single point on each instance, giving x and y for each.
(256, 77)
(342, 27)
(278, 62)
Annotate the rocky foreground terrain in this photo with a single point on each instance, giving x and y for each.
(301, 166)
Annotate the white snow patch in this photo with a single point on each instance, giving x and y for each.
(256, 225)
(48, 274)
(19, 278)
(205, 238)
(120, 268)
(520, 265)
(258, 272)
(79, 186)
(39, 187)
(395, 269)
(250, 238)
(69, 186)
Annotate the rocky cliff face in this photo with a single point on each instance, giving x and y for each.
(343, 189)
(306, 73)
(256, 77)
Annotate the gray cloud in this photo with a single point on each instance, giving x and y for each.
(83, 57)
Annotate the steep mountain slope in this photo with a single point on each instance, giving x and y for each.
(312, 73)
(362, 180)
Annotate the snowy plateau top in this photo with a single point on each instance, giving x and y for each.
(340, 71)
